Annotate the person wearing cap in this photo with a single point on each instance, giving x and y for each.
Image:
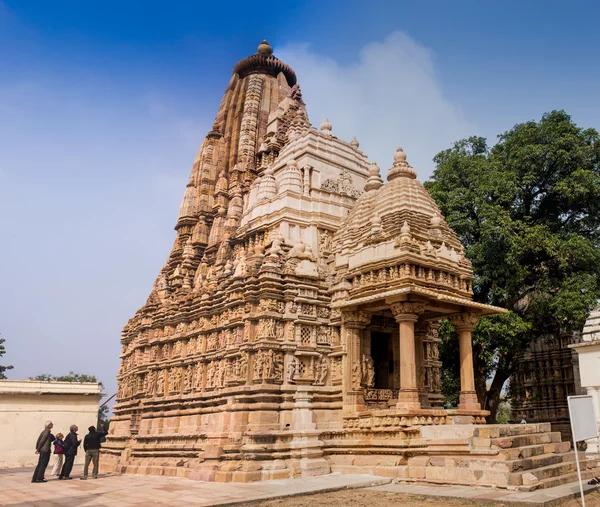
(91, 446)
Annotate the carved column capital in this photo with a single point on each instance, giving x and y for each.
(356, 319)
(407, 310)
(465, 321)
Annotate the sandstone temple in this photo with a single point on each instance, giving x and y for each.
(293, 328)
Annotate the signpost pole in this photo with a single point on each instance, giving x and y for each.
(579, 474)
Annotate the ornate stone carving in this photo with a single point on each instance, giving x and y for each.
(465, 321)
(356, 319)
(292, 370)
(404, 309)
(368, 371)
(356, 375)
(267, 328)
(189, 379)
(321, 370)
(160, 382)
(341, 185)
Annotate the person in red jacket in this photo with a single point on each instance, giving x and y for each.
(58, 454)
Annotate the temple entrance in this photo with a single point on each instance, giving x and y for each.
(382, 353)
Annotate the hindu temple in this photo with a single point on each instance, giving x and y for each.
(293, 330)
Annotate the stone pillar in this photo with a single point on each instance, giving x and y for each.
(406, 315)
(353, 324)
(464, 324)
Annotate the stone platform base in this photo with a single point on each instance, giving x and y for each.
(522, 457)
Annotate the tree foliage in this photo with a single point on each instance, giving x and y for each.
(3, 369)
(70, 377)
(528, 212)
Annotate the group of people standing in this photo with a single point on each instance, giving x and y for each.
(67, 448)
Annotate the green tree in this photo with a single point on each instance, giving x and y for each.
(70, 377)
(528, 212)
(3, 369)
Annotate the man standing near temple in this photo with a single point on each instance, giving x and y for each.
(42, 447)
(70, 451)
(91, 446)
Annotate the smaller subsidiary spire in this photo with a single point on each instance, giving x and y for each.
(374, 181)
(401, 169)
(326, 127)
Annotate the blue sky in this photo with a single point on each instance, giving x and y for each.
(104, 104)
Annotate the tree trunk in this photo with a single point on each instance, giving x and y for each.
(492, 398)
(480, 367)
(480, 387)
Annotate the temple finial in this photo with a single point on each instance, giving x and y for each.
(264, 48)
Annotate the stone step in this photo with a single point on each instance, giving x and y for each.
(558, 469)
(510, 430)
(586, 475)
(507, 430)
(527, 440)
(529, 451)
(538, 461)
(583, 459)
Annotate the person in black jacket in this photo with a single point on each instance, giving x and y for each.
(91, 446)
(42, 447)
(70, 446)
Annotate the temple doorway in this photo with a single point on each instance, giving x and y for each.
(382, 353)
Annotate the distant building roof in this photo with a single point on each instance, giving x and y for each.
(43, 387)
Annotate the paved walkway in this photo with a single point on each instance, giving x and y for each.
(16, 490)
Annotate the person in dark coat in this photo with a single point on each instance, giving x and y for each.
(91, 446)
(42, 447)
(70, 446)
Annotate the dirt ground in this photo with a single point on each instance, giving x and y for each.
(369, 498)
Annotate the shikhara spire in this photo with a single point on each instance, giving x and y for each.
(233, 155)
(293, 328)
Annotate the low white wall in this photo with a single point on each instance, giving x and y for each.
(26, 405)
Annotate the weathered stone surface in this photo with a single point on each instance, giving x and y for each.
(529, 479)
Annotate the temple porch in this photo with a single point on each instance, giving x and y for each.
(392, 358)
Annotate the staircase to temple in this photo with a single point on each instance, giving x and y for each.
(522, 457)
(518, 456)
(532, 456)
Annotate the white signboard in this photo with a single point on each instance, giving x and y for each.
(583, 417)
(583, 426)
